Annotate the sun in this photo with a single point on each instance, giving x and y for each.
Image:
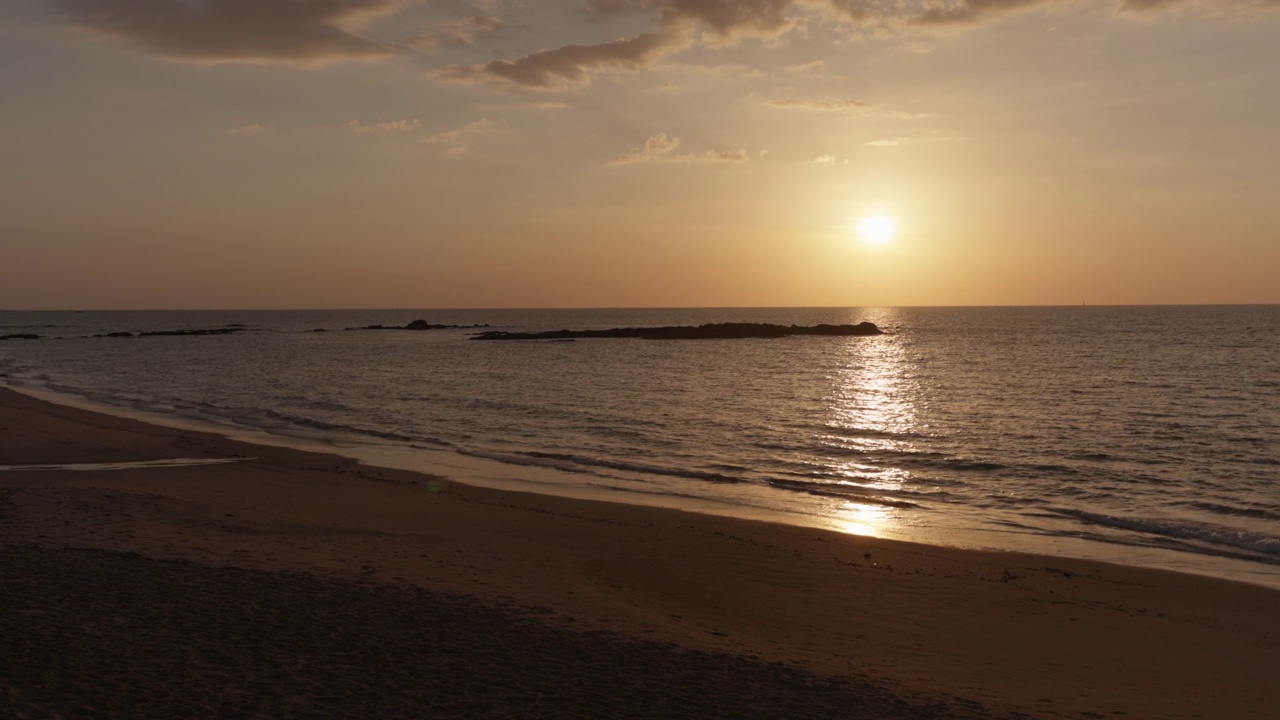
(876, 230)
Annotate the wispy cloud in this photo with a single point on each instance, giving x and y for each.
(824, 160)
(806, 67)
(453, 141)
(254, 129)
(660, 148)
(912, 139)
(290, 31)
(389, 126)
(820, 104)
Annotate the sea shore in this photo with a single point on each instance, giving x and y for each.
(294, 584)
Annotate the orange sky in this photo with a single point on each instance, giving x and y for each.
(487, 153)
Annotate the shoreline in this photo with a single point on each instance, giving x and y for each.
(480, 471)
(1010, 632)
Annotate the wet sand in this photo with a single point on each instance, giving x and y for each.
(294, 584)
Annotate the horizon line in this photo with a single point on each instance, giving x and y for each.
(623, 307)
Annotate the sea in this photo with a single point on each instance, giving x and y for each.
(1145, 436)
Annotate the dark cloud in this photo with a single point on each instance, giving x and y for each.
(723, 19)
(681, 22)
(964, 13)
(572, 63)
(1146, 5)
(972, 12)
(463, 31)
(733, 19)
(303, 31)
(718, 22)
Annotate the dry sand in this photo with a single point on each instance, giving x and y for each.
(296, 584)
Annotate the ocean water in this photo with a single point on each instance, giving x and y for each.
(1141, 435)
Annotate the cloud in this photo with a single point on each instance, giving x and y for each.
(656, 148)
(462, 31)
(310, 32)
(400, 126)
(254, 129)
(824, 160)
(211, 31)
(806, 67)
(1138, 7)
(972, 12)
(572, 64)
(680, 21)
(661, 149)
(724, 21)
(934, 136)
(684, 23)
(820, 104)
(452, 141)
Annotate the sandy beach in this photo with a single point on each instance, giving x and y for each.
(295, 584)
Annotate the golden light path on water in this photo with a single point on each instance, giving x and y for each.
(872, 405)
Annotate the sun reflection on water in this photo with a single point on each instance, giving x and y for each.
(872, 420)
(862, 519)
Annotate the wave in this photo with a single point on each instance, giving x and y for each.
(859, 432)
(845, 492)
(314, 424)
(581, 463)
(1233, 511)
(1266, 545)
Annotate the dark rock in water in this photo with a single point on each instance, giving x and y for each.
(420, 325)
(114, 334)
(20, 336)
(710, 331)
(319, 330)
(199, 331)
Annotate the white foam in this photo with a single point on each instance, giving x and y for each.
(173, 462)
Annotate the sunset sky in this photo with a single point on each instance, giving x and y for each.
(503, 153)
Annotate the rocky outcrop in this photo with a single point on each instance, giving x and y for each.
(226, 330)
(229, 330)
(420, 325)
(709, 331)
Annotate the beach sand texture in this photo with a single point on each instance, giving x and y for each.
(294, 584)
